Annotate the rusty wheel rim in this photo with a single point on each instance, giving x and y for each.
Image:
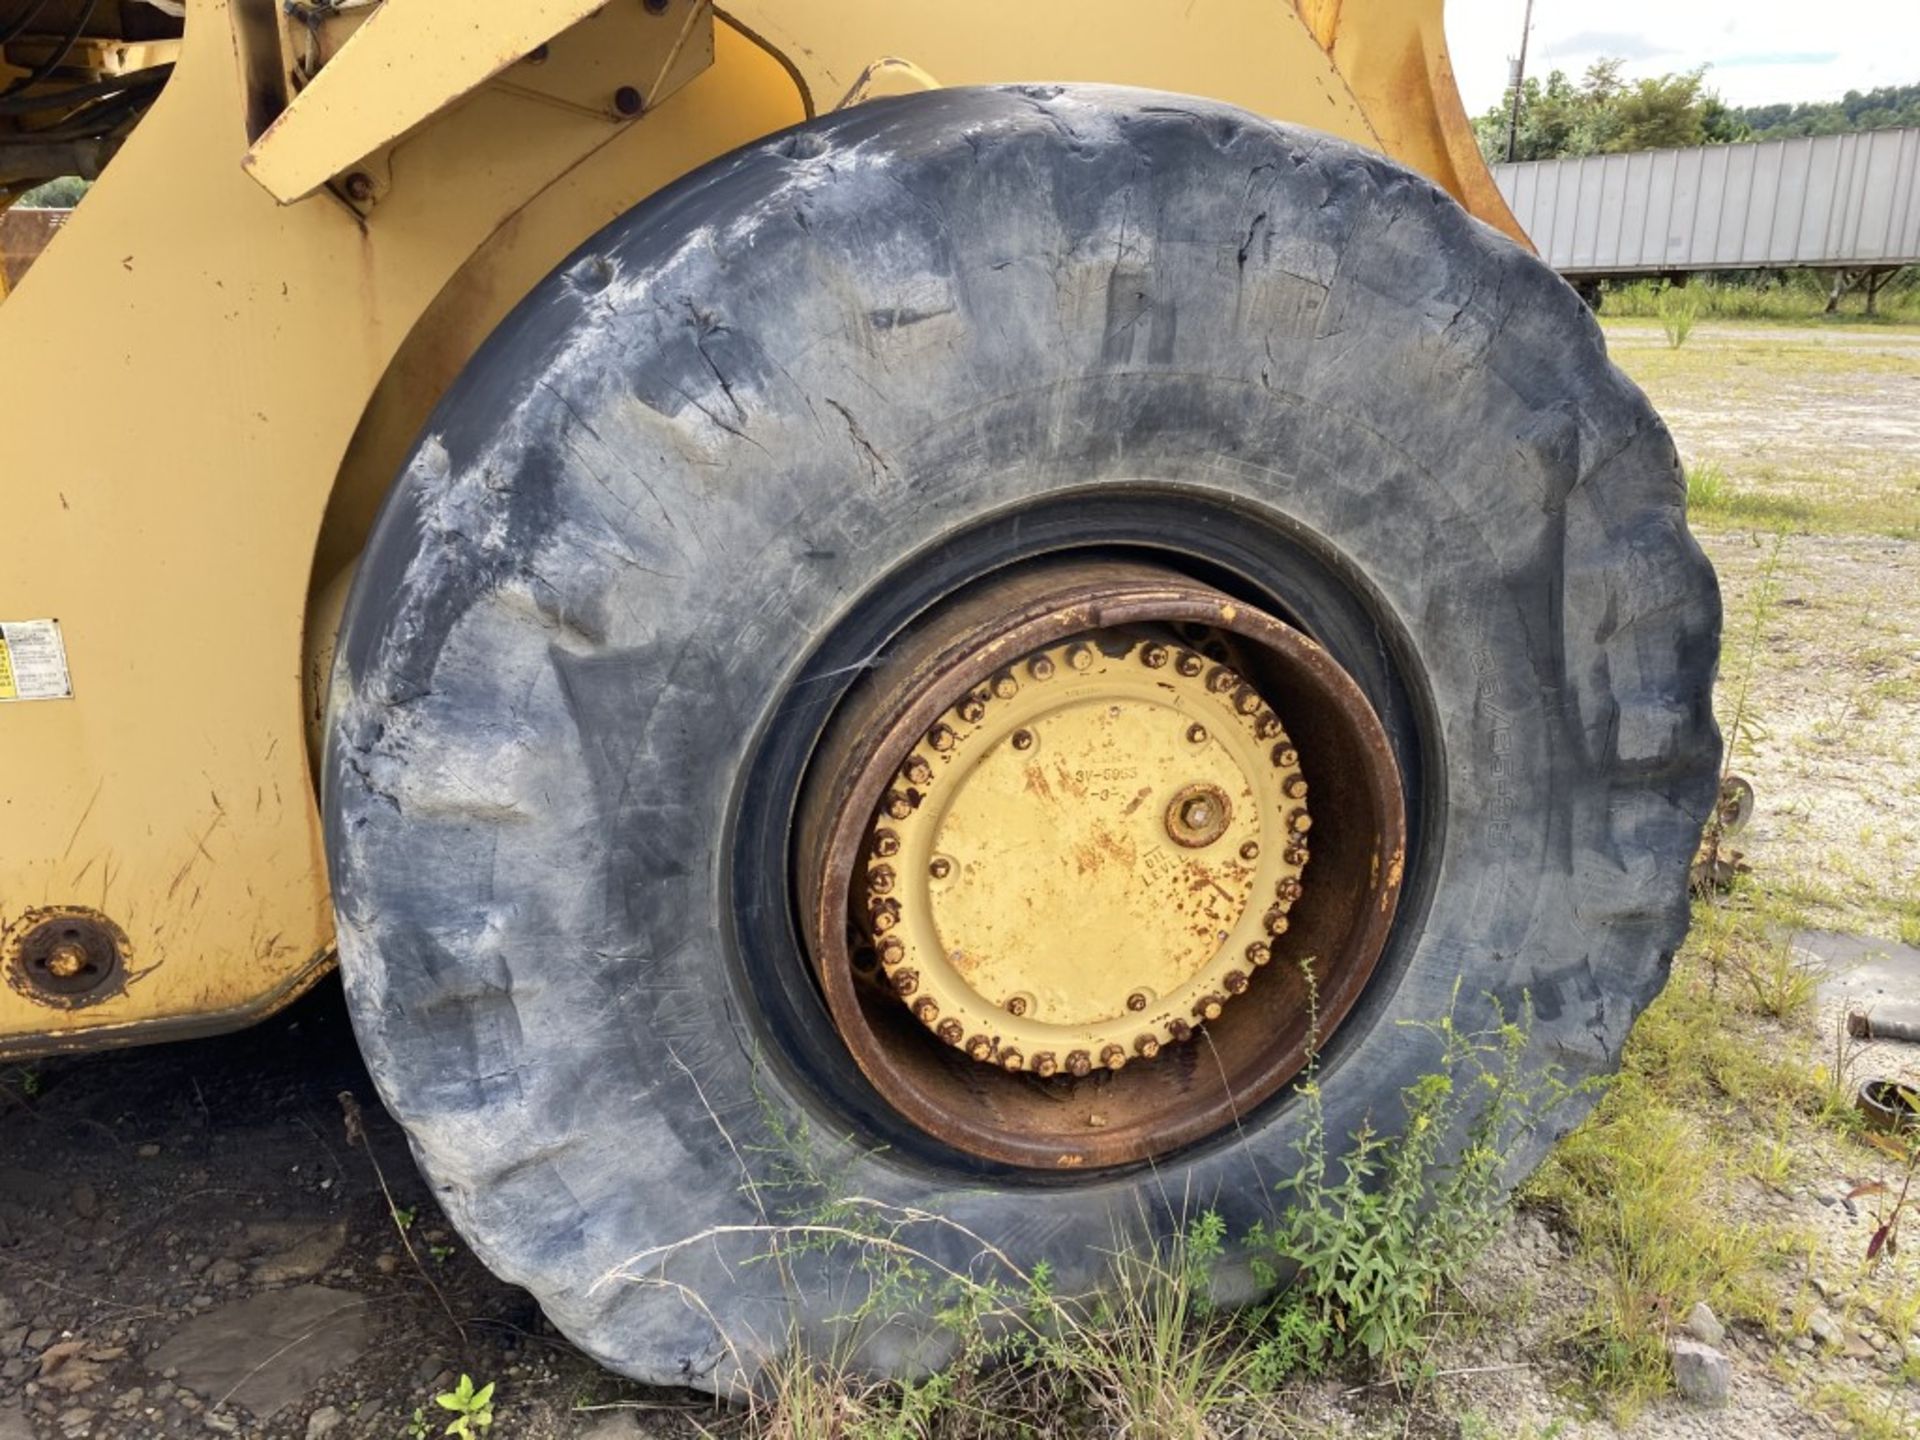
(1234, 1040)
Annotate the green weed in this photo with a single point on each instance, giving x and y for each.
(1679, 312)
(472, 1408)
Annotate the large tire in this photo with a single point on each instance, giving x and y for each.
(861, 361)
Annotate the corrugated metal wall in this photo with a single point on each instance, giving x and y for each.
(1831, 200)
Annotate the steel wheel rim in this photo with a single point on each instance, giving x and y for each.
(1227, 1062)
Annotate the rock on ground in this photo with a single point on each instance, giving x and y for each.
(1701, 1373)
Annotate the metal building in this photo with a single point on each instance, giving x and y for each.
(1841, 202)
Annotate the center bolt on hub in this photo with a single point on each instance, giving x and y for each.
(1063, 834)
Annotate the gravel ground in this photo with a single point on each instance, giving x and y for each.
(191, 1241)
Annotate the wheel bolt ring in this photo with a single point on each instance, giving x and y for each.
(1261, 1040)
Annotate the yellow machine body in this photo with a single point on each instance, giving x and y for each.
(216, 367)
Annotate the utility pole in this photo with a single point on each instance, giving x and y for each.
(1519, 78)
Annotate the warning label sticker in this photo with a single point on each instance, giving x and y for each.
(33, 661)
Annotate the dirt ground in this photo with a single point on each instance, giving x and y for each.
(192, 1242)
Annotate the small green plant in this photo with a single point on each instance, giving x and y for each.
(441, 1253)
(417, 1426)
(1370, 1237)
(403, 1217)
(1707, 488)
(472, 1409)
(1678, 313)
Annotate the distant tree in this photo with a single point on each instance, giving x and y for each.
(61, 194)
(1886, 108)
(1604, 114)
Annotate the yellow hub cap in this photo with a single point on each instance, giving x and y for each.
(1088, 856)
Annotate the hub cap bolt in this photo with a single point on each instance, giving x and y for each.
(1023, 739)
(1079, 1064)
(66, 961)
(898, 805)
(1295, 787)
(925, 1011)
(1220, 681)
(950, 1031)
(1113, 1057)
(1236, 982)
(905, 982)
(1276, 921)
(1250, 850)
(886, 844)
(1080, 657)
(1153, 656)
(1137, 1000)
(1245, 701)
(1040, 667)
(1197, 734)
(1044, 1064)
(1189, 665)
(1005, 686)
(979, 1047)
(1012, 1060)
(941, 868)
(1208, 1007)
(1017, 1005)
(918, 771)
(1146, 1047)
(1259, 953)
(971, 711)
(892, 952)
(1299, 821)
(941, 738)
(1285, 755)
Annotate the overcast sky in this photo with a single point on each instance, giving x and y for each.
(1758, 51)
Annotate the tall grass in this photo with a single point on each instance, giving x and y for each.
(1678, 313)
(1799, 297)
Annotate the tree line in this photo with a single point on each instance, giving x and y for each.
(1603, 113)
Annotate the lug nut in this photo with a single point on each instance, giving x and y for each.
(1180, 1030)
(950, 1031)
(1189, 665)
(972, 709)
(1285, 755)
(925, 1010)
(1113, 1057)
(980, 1048)
(1153, 656)
(1208, 1007)
(1080, 657)
(1276, 921)
(1250, 850)
(1289, 889)
(1137, 1000)
(1259, 952)
(905, 982)
(1016, 1005)
(1012, 1059)
(941, 738)
(1235, 981)
(885, 843)
(1023, 739)
(66, 961)
(1245, 701)
(1044, 1064)
(1005, 686)
(941, 868)
(1299, 821)
(892, 952)
(1146, 1047)
(885, 915)
(1221, 680)
(1295, 787)
(1267, 726)
(1296, 855)
(898, 805)
(880, 879)
(1040, 667)
(918, 772)
(1079, 1063)
(1197, 734)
